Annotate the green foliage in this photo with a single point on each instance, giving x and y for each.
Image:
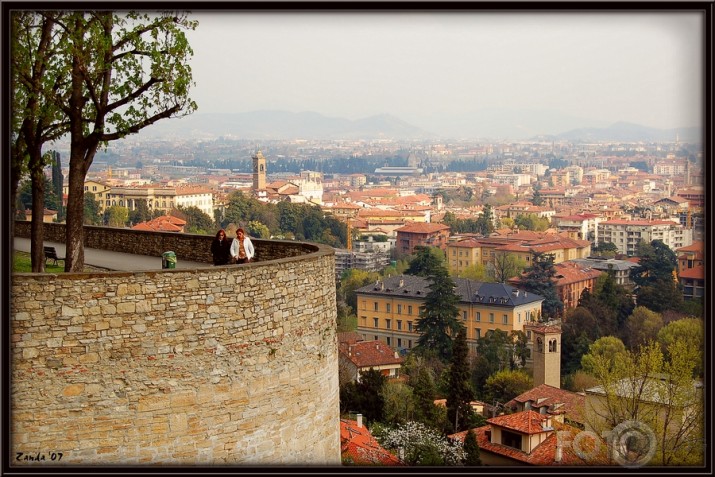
(657, 264)
(507, 384)
(507, 265)
(609, 348)
(116, 216)
(494, 353)
(532, 222)
(426, 262)
(460, 392)
(438, 321)
(688, 330)
(471, 449)
(366, 396)
(539, 279)
(642, 326)
(399, 402)
(605, 249)
(661, 295)
(141, 212)
(197, 221)
(51, 202)
(351, 280)
(92, 214)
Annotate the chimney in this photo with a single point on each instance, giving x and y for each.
(558, 455)
(359, 421)
(402, 282)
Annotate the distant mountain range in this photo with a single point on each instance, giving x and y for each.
(485, 125)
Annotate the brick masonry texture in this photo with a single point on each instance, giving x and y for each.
(215, 366)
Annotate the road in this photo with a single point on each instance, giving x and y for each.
(116, 261)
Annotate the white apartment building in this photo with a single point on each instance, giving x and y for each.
(626, 234)
(198, 197)
(515, 180)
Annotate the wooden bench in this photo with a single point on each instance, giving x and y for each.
(51, 254)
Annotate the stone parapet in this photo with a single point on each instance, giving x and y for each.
(215, 366)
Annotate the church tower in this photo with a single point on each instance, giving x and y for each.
(546, 354)
(259, 172)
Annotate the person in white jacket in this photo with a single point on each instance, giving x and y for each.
(242, 248)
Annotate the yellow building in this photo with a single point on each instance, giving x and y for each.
(389, 310)
(469, 252)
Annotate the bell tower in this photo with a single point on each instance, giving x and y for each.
(546, 354)
(259, 172)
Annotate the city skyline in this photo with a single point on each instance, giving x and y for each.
(430, 68)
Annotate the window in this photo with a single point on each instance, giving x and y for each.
(409, 309)
(388, 324)
(387, 307)
(376, 308)
(491, 317)
(519, 317)
(364, 305)
(479, 316)
(375, 321)
(399, 325)
(399, 342)
(409, 343)
(464, 315)
(409, 326)
(477, 333)
(505, 319)
(399, 309)
(388, 341)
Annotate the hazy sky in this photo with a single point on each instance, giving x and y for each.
(640, 67)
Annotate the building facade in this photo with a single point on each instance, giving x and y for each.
(626, 234)
(389, 310)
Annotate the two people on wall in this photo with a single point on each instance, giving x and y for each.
(226, 251)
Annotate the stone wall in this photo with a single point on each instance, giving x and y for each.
(215, 366)
(191, 247)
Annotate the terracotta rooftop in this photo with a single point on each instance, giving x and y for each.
(422, 228)
(371, 353)
(697, 273)
(360, 447)
(555, 398)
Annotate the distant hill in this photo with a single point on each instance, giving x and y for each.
(286, 125)
(488, 124)
(628, 132)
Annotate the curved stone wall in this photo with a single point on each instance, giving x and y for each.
(222, 365)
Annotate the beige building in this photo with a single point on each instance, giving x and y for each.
(626, 234)
(389, 310)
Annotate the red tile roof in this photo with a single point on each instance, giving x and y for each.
(371, 353)
(422, 228)
(558, 399)
(545, 452)
(697, 272)
(359, 447)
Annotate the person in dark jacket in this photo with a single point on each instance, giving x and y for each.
(221, 248)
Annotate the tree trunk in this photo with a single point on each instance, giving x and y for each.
(37, 254)
(74, 230)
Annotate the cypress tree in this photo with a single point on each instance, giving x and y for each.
(471, 449)
(460, 391)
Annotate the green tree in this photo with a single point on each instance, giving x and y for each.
(257, 229)
(122, 73)
(438, 320)
(539, 279)
(477, 272)
(399, 402)
(424, 392)
(197, 221)
(116, 216)
(351, 280)
(507, 384)
(689, 330)
(642, 326)
(536, 198)
(507, 265)
(660, 296)
(365, 396)
(471, 449)
(605, 249)
(92, 215)
(631, 384)
(609, 347)
(426, 261)
(35, 42)
(494, 353)
(51, 201)
(485, 222)
(657, 264)
(460, 393)
(140, 213)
